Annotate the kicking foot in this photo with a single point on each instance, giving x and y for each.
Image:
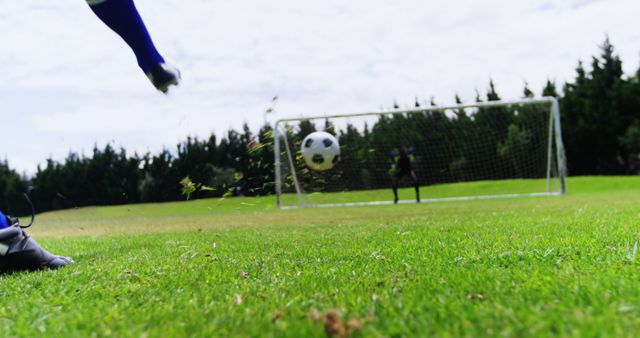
(19, 252)
(164, 76)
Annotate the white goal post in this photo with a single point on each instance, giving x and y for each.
(497, 149)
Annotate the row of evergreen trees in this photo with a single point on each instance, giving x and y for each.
(600, 113)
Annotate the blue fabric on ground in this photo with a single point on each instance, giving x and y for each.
(123, 18)
(4, 222)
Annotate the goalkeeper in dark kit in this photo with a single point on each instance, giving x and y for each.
(402, 166)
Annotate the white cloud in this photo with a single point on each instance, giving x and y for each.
(74, 83)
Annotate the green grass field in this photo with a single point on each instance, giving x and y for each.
(546, 266)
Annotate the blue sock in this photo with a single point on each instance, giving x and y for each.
(4, 222)
(123, 18)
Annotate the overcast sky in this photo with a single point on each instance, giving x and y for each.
(69, 83)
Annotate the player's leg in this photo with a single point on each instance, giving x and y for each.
(123, 18)
(394, 187)
(416, 185)
(20, 252)
(4, 221)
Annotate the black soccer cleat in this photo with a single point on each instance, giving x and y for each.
(164, 76)
(19, 252)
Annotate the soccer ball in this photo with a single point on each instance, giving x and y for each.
(320, 151)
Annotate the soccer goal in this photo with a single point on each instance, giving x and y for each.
(498, 149)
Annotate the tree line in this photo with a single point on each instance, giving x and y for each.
(600, 115)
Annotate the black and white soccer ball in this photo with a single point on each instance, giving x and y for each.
(320, 151)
